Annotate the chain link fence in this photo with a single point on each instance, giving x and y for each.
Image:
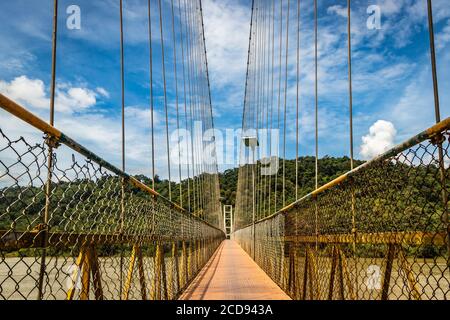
(72, 226)
(378, 232)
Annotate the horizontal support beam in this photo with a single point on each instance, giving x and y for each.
(406, 238)
(13, 241)
(28, 117)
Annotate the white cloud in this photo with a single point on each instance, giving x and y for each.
(381, 138)
(28, 91)
(103, 92)
(227, 27)
(75, 100)
(443, 38)
(337, 9)
(32, 93)
(100, 131)
(391, 7)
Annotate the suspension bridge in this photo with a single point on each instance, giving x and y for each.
(75, 226)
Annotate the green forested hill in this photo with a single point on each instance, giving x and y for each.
(21, 206)
(413, 190)
(397, 197)
(329, 169)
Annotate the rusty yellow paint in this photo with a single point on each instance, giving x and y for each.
(79, 263)
(330, 185)
(161, 290)
(388, 271)
(85, 276)
(23, 114)
(126, 290)
(334, 260)
(141, 273)
(177, 267)
(183, 271)
(346, 274)
(312, 270)
(287, 208)
(165, 288)
(406, 238)
(439, 127)
(410, 276)
(143, 187)
(190, 260)
(158, 270)
(87, 265)
(96, 275)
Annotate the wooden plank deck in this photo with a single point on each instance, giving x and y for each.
(232, 275)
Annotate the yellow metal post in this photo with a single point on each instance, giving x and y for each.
(96, 274)
(79, 265)
(157, 278)
(126, 290)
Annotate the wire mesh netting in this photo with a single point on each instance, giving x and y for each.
(90, 233)
(382, 233)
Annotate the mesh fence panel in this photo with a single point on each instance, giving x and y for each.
(95, 236)
(382, 233)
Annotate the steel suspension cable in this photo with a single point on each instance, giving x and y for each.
(264, 114)
(122, 72)
(350, 85)
(247, 115)
(205, 111)
(242, 198)
(266, 84)
(261, 111)
(272, 103)
(258, 102)
(257, 105)
(297, 103)
(266, 102)
(285, 103)
(316, 93)
(256, 93)
(316, 124)
(350, 92)
(437, 111)
(189, 77)
(175, 62)
(152, 107)
(279, 92)
(48, 185)
(166, 108)
(215, 168)
(433, 61)
(185, 105)
(191, 106)
(199, 115)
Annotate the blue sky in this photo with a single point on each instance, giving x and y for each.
(392, 76)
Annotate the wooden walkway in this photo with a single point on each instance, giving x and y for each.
(232, 275)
